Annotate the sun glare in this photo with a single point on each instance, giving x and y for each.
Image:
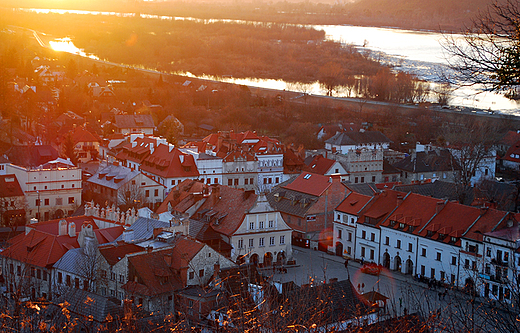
(64, 45)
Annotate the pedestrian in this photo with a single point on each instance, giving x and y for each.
(362, 261)
(346, 264)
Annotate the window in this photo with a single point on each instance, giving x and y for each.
(215, 181)
(156, 192)
(192, 275)
(387, 240)
(423, 252)
(121, 278)
(362, 251)
(18, 270)
(44, 275)
(71, 200)
(46, 202)
(410, 247)
(112, 292)
(282, 239)
(271, 241)
(68, 281)
(240, 243)
(246, 181)
(76, 283)
(371, 254)
(488, 252)
(432, 273)
(147, 193)
(271, 224)
(349, 237)
(349, 250)
(398, 245)
(261, 225)
(261, 241)
(103, 273)
(230, 182)
(251, 242)
(340, 232)
(443, 276)
(112, 276)
(201, 273)
(423, 270)
(251, 225)
(372, 237)
(236, 182)
(487, 269)
(363, 234)
(454, 260)
(438, 257)
(506, 257)
(466, 264)
(37, 202)
(38, 273)
(474, 265)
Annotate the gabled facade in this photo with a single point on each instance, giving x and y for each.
(307, 205)
(327, 167)
(262, 237)
(345, 222)
(86, 145)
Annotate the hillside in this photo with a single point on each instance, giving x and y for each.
(443, 15)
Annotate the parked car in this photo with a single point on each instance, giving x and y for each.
(371, 268)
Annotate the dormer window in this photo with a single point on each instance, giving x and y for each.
(429, 233)
(401, 225)
(453, 239)
(392, 223)
(442, 236)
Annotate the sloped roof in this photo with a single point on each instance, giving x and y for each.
(143, 228)
(407, 212)
(179, 193)
(353, 203)
(9, 186)
(75, 261)
(309, 183)
(168, 163)
(438, 189)
(363, 188)
(113, 176)
(356, 138)
(292, 163)
(319, 164)
(510, 138)
(87, 305)
(31, 156)
(381, 206)
(83, 135)
(431, 161)
(513, 153)
(133, 121)
(114, 252)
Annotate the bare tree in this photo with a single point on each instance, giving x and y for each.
(488, 52)
(130, 196)
(13, 212)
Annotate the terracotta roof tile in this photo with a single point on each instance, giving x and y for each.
(310, 183)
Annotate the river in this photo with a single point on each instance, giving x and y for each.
(417, 52)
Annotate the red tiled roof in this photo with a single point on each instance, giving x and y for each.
(382, 205)
(414, 207)
(114, 253)
(510, 138)
(321, 165)
(9, 187)
(310, 183)
(170, 164)
(180, 193)
(83, 135)
(513, 153)
(353, 203)
(43, 249)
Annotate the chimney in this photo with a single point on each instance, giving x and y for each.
(157, 232)
(216, 270)
(439, 207)
(62, 228)
(72, 229)
(128, 235)
(483, 210)
(399, 199)
(149, 249)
